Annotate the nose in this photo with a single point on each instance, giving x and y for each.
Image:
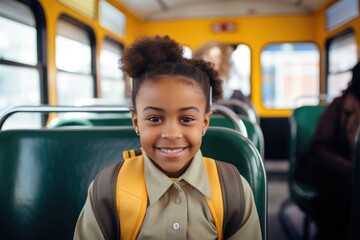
(171, 131)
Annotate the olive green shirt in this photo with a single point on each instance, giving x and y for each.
(177, 208)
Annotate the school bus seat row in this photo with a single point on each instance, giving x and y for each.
(253, 130)
(120, 116)
(45, 173)
(303, 124)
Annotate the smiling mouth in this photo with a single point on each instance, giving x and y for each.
(171, 150)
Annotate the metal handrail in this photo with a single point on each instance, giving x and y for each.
(250, 113)
(238, 123)
(7, 112)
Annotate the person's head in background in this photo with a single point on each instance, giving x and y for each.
(219, 54)
(171, 100)
(354, 84)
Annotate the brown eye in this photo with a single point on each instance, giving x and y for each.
(153, 119)
(187, 119)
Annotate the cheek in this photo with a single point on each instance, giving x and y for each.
(147, 137)
(196, 137)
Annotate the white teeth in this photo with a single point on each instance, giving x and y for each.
(171, 150)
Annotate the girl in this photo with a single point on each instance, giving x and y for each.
(171, 98)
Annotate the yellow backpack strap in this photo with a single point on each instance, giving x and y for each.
(132, 153)
(131, 196)
(216, 202)
(227, 205)
(114, 187)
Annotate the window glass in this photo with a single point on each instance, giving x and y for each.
(342, 58)
(17, 42)
(187, 52)
(19, 74)
(240, 75)
(73, 87)
(74, 78)
(112, 18)
(112, 81)
(290, 71)
(19, 86)
(72, 56)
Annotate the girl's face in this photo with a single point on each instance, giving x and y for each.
(170, 116)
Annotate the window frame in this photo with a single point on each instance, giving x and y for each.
(92, 42)
(41, 65)
(329, 41)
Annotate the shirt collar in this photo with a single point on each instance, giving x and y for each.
(157, 183)
(196, 175)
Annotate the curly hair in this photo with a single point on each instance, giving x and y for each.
(149, 58)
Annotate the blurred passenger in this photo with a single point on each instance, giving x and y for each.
(332, 150)
(220, 55)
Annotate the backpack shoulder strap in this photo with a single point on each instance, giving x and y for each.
(131, 197)
(104, 204)
(233, 197)
(104, 197)
(215, 204)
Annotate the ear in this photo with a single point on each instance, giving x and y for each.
(207, 119)
(134, 119)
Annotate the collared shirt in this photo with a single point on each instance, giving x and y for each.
(177, 209)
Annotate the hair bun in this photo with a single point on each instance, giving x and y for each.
(148, 52)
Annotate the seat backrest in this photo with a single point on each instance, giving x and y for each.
(45, 173)
(228, 145)
(303, 124)
(243, 108)
(254, 131)
(230, 119)
(44, 176)
(304, 121)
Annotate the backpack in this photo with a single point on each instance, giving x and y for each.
(227, 209)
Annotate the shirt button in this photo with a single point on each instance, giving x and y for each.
(176, 226)
(177, 200)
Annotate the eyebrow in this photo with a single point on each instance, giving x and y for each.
(162, 110)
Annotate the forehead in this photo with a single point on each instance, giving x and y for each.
(170, 91)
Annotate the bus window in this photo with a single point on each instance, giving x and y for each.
(20, 82)
(112, 78)
(74, 79)
(290, 71)
(187, 52)
(112, 18)
(240, 73)
(342, 58)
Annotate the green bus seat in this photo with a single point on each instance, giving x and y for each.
(303, 124)
(254, 131)
(223, 117)
(45, 173)
(230, 146)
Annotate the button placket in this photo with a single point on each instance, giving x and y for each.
(177, 217)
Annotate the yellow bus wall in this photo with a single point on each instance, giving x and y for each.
(255, 31)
